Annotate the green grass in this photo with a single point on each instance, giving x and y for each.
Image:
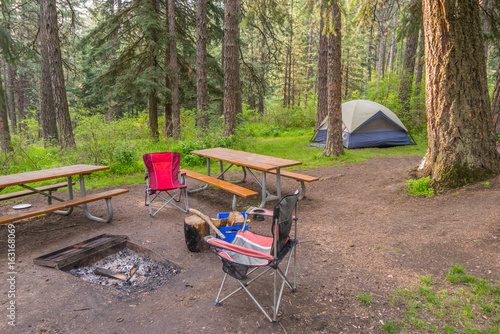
(456, 303)
(124, 156)
(366, 299)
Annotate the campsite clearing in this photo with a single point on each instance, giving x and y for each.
(360, 234)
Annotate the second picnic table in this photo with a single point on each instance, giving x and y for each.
(62, 206)
(248, 162)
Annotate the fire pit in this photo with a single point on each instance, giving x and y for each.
(113, 260)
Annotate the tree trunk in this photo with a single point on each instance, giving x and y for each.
(20, 88)
(231, 74)
(367, 69)
(201, 63)
(309, 63)
(176, 114)
(167, 108)
(322, 110)
(4, 123)
(66, 138)
(460, 131)
(392, 56)
(153, 65)
(12, 72)
(47, 109)
(488, 5)
(262, 76)
(495, 101)
(420, 63)
(334, 145)
(406, 83)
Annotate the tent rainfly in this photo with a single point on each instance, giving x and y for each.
(367, 124)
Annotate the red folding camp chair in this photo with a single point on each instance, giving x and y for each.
(162, 177)
(249, 252)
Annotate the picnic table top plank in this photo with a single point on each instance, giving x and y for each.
(47, 174)
(252, 160)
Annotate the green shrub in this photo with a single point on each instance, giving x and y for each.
(419, 187)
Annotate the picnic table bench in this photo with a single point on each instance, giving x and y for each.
(63, 207)
(235, 189)
(249, 162)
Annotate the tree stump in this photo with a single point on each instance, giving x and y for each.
(195, 229)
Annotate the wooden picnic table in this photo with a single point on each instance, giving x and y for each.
(248, 161)
(62, 206)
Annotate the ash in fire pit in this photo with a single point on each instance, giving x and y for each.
(128, 271)
(113, 260)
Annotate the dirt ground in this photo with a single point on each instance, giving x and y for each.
(359, 232)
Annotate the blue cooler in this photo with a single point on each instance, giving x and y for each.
(230, 231)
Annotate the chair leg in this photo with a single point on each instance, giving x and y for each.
(217, 301)
(257, 303)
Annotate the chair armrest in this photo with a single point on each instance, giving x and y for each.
(259, 211)
(238, 249)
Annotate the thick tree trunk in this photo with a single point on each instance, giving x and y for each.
(201, 62)
(176, 113)
(231, 74)
(12, 72)
(461, 137)
(406, 83)
(495, 101)
(47, 109)
(153, 115)
(66, 138)
(334, 145)
(322, 110)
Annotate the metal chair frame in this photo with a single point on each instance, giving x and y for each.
(272, 265)
(172, 200)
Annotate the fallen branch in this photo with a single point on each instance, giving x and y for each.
(209, 222)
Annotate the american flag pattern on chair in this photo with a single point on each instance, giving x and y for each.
(249, 252)
(162, 180)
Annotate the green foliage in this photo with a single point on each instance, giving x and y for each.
(419, 187)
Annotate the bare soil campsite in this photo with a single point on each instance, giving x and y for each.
(363, 243)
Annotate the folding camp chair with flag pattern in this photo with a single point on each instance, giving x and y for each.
(249, 252)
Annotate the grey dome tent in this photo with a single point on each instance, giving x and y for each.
(367, 124)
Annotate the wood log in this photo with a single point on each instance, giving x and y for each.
(236, 218)
(209, 222)
(107, 273)
(195, 229)
(220, 222)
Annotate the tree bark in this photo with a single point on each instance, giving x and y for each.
(176, 113)
(334, 144)
(167, 108)
(66, 138)
(392, 56)
(231, 73)
(309, 63)
(406, 83)
(47, 109)
(5, 143)
(262, 76)
(420, 63)
(12, 72)
(201, 63)
(460, 131)
(153, 64)
(495, 101)
(322, 110)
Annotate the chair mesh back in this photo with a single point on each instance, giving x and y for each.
(283, 216)
(163, 169)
